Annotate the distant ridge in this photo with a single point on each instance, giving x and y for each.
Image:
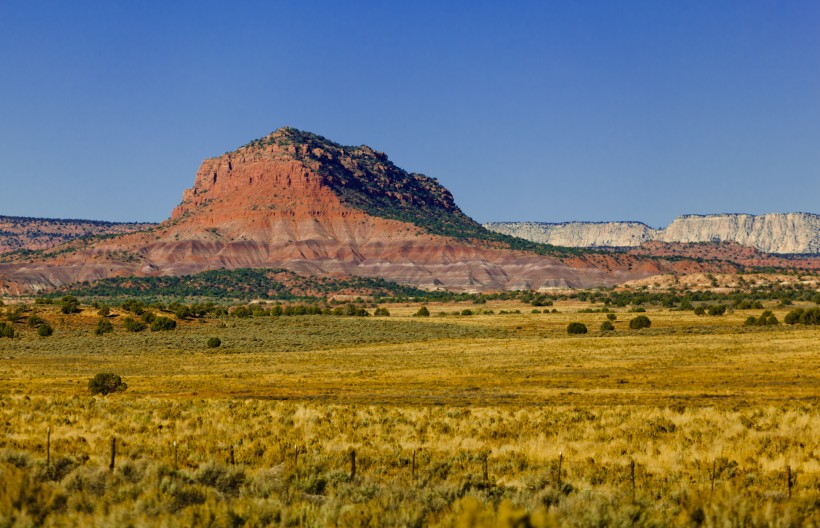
(36, 234)
(778, 233)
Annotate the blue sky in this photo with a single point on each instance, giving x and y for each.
(547, 111)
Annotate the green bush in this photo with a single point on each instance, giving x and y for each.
(716, 310)
(6, 330)
(607, 326)
(35, 321)
(104, 311)
(104, 326)
(808, 316)
(423, 312)
(611, 316)
(382, 312)
(576, 328)
(639, 322)
(44, 330)
(700, 310)
(69, 305)
(161, 324)
(466, 311)
(132, 325)
(106, 383)
(214, 342)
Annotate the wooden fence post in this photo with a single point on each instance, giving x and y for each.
(413, 467)
(632, 477)
(48, 448)
(486, 472)
(233, 460)
(352, 464)
(789, 482)
(176, 458)
(560, 463)
(113, 453)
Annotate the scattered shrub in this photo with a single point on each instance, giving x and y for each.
(611, 316)
(69, 305)
(423, 312)
(382, 312)
(466, 312)
(106, 383)
(808, 316)
(6, 330)
(716, 310)
(104, 326)
(133, 325)
(162, 324)
(576, 328)
(214, 342)
(607, 326)
(767, 318)
(35, 321)
(44, 330)
(104, 311)
(639, 322)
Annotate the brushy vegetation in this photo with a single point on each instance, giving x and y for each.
(498, 418)
(262, 463)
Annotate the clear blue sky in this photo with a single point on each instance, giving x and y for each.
(546, 111)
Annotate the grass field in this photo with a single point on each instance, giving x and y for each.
(509, 420)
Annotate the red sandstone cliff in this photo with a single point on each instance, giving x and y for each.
(297, 201)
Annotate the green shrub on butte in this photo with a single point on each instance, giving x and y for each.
(106, 383)
(576, 328)
(640, 322)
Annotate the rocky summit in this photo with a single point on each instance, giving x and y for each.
(297, 201)
(789, 233)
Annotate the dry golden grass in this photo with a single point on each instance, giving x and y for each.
(711, 413)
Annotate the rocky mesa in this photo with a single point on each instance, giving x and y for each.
(779, 233)
(297, 201)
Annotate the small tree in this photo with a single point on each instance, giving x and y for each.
(576, 328)
(423, 312)
(639, 322)
(106, 383)
(104, 311)
(214, 342)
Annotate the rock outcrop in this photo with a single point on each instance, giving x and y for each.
(780, 233)
(297, 201)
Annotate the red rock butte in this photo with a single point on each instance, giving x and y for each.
(297, 201)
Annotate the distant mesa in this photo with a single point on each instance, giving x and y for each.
(296, 201)
(779, 233)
